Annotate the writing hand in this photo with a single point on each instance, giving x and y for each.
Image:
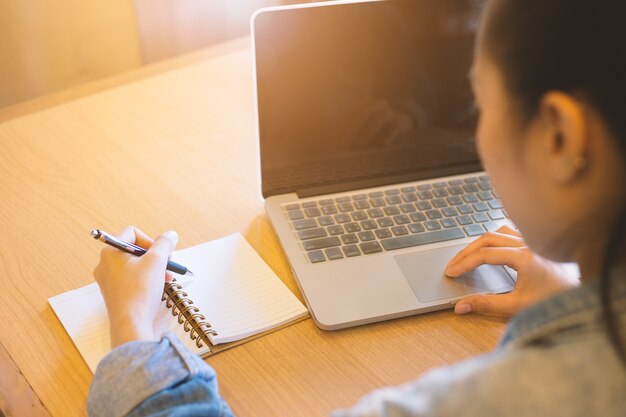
(537, 278)
(132, 286)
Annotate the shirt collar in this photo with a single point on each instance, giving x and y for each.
(577, 307)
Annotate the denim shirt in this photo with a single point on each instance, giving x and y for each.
(553, 360)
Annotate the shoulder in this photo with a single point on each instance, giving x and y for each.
(536, 380)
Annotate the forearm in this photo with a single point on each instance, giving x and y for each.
(144, 378)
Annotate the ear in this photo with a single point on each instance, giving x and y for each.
(565, 137)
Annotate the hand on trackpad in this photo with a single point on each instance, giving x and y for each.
(424, 272)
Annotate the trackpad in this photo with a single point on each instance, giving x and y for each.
(425, 273)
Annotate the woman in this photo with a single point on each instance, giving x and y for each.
(549, 81)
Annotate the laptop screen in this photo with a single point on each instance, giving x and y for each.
(355, 95)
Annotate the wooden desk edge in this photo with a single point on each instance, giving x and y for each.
(83, 90)
(17, 398)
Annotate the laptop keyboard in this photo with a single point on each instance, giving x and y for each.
(367, 223)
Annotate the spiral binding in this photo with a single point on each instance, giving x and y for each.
(189, 315)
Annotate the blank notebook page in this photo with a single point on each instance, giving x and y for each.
(233, 287)
(236, 290)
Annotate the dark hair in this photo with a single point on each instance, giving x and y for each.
(575, 47)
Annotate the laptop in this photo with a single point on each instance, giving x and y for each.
(369, 170)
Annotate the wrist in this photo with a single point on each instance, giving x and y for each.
(127, 329)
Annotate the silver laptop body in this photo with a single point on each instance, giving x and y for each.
(368, 166)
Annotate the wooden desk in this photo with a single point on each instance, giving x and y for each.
(173, 147)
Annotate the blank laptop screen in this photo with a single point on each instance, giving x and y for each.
(364, 94)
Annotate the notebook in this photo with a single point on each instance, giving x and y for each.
(233, 298)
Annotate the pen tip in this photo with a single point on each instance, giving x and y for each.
(191, 274)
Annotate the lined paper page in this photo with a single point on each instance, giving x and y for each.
(236, 290)
(233, 287)
(83, 314)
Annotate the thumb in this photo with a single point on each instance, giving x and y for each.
(163, 245)
(484, 303)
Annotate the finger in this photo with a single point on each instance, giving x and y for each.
(510, 257)
(506, 229)
(489, 239)
(163, 245)
(142, 239)
(127, 234)
(486, 304)
(168, 277)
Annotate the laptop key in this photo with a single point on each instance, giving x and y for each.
(391, 210)
(481, 206)
(474, 230)
(375, 213)
(309, 204)
(480, 217)
(294, 206)
(414, 228)
(432, 225)
(295, 214)
(422, 239)
(409, 197)
(376, 194)
(455, 200)
(455, 190)
(470, 198)
(312, 212)
(385, 222)
(361, 204)
(370, 247)
(464, 220)
(329, 209)
(366, 236)
(326, 202)
(496, 215)
(448, 222)
(325, 221)
(450, 212)
(439, 203)
(495, 204)
(304, 224)
(417, 217)
(359, 197)
(407, 208)
(359, 215)
(351, 251)
(393, 199)
(349, 239)
(434, 214)
(316, 256)
(465, 209)
(378, 202)
(307, 234)
(323, 243)
(335, 230)
(369, 225)
(342, 218)
(344, 199)
(382, 233)
(402, 219)
(399, 230)
(491, 226)
(423, 205)
(352, 227)
(333, 254)
(346, 207)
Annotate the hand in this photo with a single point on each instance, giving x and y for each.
(537, 278)
(132, 286)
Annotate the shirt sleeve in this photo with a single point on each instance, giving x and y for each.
(141, 379)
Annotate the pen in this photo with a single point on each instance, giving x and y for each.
(135, 250)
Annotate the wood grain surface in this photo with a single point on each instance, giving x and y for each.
(176, 149)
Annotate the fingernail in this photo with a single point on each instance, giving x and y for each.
(462, 308)
(171, 235)
(449, 271)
